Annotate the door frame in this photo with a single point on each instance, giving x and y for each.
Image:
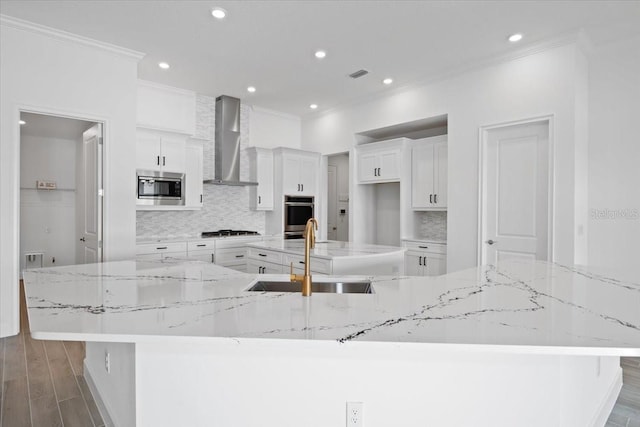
(483, 136)
(73, 115)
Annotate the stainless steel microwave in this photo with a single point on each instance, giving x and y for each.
(160, 188)
(297, 211)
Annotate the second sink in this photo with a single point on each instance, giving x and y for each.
(338, 287)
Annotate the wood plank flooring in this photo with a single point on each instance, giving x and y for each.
(42, 384)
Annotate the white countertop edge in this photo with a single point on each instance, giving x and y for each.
(432, 241)
(261, 245)
(381, 348)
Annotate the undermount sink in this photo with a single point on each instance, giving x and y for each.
(339, 287)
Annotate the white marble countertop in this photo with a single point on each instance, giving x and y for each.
(159, 239)
(438, 242)
(328, 249)
(521, 307)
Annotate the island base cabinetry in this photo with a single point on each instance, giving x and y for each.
(205, 383)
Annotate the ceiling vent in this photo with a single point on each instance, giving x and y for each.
(358, 74)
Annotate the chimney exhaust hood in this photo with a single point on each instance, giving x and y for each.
(227, 143)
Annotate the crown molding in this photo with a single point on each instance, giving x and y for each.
(578, 38)
(21, 24)
(161, 86)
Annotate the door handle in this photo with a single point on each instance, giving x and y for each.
(375, 172)
(379, 174)
(302, 187)
(211, 258)
(430, 198)
(435, 198)
(201, 198)
(490, 242)
(298, 187)
(163, 159)
(82, 239)
(419, 260)
(259, 200)
(158, 160)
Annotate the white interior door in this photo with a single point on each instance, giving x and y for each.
(332, 204)
(516, 193)
(91, 235)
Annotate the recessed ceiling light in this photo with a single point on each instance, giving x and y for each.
(218, 13)
(22, 122)
(387, 81)
(251, 89)
(163, 65)
(515, 38)
(313, 106)
(320, 54)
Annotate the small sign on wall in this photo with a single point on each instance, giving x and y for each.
(46, 185)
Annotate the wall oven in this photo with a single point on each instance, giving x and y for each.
(297, 211)
(160, 188)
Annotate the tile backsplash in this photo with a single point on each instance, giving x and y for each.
(431, 225)
(224, 206)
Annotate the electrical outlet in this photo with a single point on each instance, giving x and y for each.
(355, 414)
(107, 362)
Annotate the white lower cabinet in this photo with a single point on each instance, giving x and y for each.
(232, 252)
(265, 261)
(201, 250)
(424, 258)
(160, 250)
(263, 267)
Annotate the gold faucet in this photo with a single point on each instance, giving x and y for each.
(309, 243)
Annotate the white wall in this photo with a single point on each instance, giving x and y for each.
(47, 218)
(56, 74)
(271, 129)
(531, 86)
(614, 157)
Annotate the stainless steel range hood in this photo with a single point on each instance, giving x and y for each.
(227, 143)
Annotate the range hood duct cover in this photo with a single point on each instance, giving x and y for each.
(227, 143)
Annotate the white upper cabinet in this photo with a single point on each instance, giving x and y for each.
(380, 161)
(159, 152)
(261, 171)
(299, 172)
(429, 174)
(166, 108)
(193, 176)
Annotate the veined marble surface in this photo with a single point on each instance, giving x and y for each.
(327, 248)
(520, 306)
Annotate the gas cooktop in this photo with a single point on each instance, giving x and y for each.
(226, 233)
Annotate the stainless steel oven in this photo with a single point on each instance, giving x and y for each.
(160, 188)
(297, 211)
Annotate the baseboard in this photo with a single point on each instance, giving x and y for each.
(606, 406)
(102, 408)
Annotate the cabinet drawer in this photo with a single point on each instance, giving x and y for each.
(318, 265)
(264, 255)
(434, 248)
(158, 248)
(201, 246)
(230, 256)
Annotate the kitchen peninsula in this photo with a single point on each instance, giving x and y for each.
(525, 343)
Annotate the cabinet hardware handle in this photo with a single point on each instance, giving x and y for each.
(419, 260)
(259, 200)
(162, 247)
(435, 198)
(302, 187)
(239, 256)
(163, 159)
(201, 245)
(379, 173)
(201, 198)
(301, 262)
(375, 172)
(262, 254)
(158, 160)
(211, 258)
(425, 261)
(430, 198)
(423, 247)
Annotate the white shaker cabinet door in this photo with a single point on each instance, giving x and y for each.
(440, 174)
(148, 153)
(368, 167)
(422, 176)
(413, 264)
(173, 157)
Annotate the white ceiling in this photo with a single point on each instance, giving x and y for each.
(270, 44)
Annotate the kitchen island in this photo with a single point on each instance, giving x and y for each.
(525, 343)
(327, 257)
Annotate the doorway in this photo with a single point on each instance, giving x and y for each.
(60, 182)
(516, 192)
(338, 197)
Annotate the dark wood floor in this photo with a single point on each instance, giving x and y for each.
(43, 385)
